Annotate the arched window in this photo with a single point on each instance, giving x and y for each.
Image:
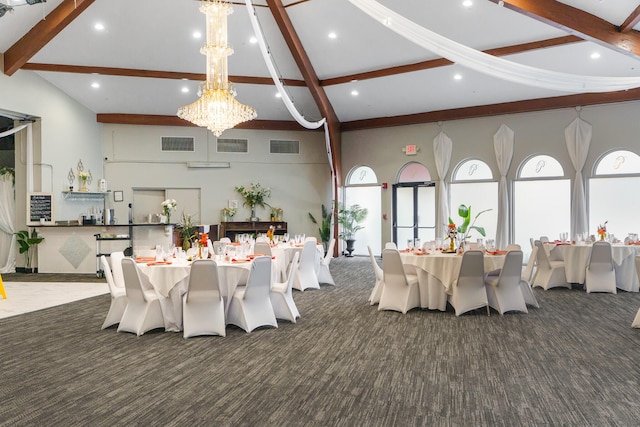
(612, 192)
(472, 184)
(541, 200)
(362, 175)
(362, 189)
(414, 172)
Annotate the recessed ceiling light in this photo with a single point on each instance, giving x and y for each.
(457, 77)
(99, 26)
(333, 35)
(595, 55)
(354, 93)
(185, 90)
(278, 95)
(197, 35)
(95, 85)
(253, 40)
(467, 3)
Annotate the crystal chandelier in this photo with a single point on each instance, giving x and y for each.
(216, 109)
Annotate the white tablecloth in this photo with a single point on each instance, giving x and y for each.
(576, 258)
(437, 272)
(170, 281)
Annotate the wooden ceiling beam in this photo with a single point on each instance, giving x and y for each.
(631, 21)
(129, 72)
(42, 33)
(526, 106)
(313, 83)
(577, 22)
(441, 62)
(160, 120)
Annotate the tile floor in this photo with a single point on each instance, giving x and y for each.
(24, 297)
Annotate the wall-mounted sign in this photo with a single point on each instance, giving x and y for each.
(39, 207)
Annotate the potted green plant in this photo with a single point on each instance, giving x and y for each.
(28, 244)
(188, 231)
(324, 227)
(350, 219)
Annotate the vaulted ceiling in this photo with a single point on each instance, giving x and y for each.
(146, 56)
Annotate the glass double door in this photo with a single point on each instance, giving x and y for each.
(414, 212)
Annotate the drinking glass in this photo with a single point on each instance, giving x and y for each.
(491, 244)
(417, 244)
(439, 243)
(410, 244)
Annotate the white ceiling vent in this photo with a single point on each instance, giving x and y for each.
(178, 143)
(278, 146)
(227, 145)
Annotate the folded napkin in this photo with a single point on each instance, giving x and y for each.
(404, 250)
(239, 260)
(159, 263)
(145, 259)
(496, 252)
(422, 253)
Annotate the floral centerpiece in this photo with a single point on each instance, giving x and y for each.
(202, 243)
(602, 230)
(452, 232)
(168, 206)
(83, 177)
(271, 233)
(254, 195)
(228, 213)
(463, 230)
(187, 231)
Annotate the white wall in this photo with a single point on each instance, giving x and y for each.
(614, 126)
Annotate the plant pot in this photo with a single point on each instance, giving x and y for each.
(350, 243)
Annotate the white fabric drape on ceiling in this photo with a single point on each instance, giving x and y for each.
(503, 146)
(578, 137)
(7, 225)
(442, 147)
(489, 64)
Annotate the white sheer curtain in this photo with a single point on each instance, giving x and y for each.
(578, 137)
(442, 147)
(503, 146)
(489, 64)
(7, 225)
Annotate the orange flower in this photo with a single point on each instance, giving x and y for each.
(203, 239)
(452, 226)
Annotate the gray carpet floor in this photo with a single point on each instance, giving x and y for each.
(572, 362)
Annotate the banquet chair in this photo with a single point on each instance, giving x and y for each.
(281, 296)
(399, 292)
(250, 305)
(262, 248)
(549, 274)
(311, 239)
(513, 247)
(600, 275)
(262, 239)
(390, 245)
(525, 280)
(376, 292)
(225, 240)
(307, 276)
(468, 290)
(636, 320)
(118, 297)
(116, 268)
(143, 312)
(324, 274)
(503, 291)
(544, 239)
(202, 304)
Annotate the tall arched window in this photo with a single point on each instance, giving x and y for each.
(472, 184)
(362, 189)
(541, 200)
(612, 193)
(414, 205)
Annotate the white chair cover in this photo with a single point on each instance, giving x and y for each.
(600, 275)
(143, 312)
(262, 248)
(116, 268)
(307, 277)
(118, 297)
(250, 305)
(376, 292)
(324, 274)
(549, 274)
(503, 292)
(468, 290)
(202, 304)
(399, 292)
(281, 296)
